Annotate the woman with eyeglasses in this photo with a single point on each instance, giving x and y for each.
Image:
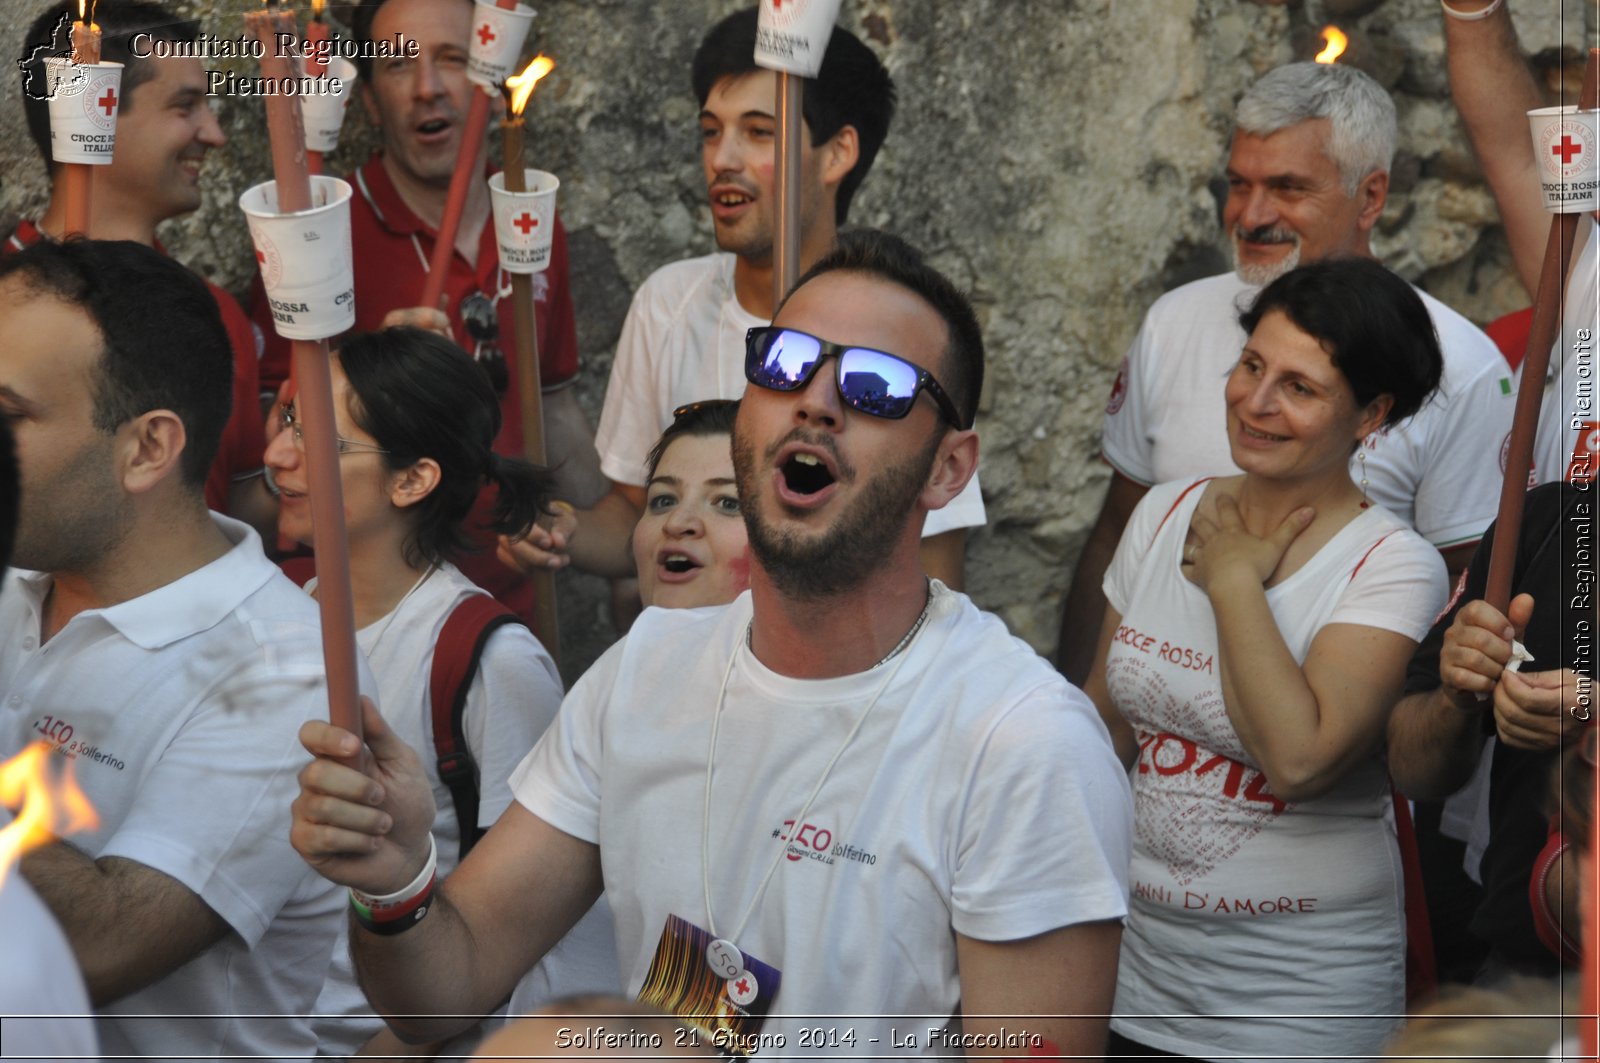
(1257, 633)
(415, 418)
(690, 545)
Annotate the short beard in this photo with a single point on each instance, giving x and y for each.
(1261, 274)
(847, 554)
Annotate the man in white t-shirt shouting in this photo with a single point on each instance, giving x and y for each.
(848, 793)
(683, 339)
(1308, 175)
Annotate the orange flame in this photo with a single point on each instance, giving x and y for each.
(48, 802)
(316, 8)
(1336, 43)
(521, 86)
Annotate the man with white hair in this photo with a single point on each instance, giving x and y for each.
(1308, 174)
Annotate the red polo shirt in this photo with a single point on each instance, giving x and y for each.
(392, 247)
(242, 447)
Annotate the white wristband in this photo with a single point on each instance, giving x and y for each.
(1471, 16)
(400, 896)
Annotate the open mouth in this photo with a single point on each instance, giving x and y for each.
(679, 564)
(805, 474)
(432, 126)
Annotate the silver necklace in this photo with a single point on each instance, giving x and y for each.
(722, 955)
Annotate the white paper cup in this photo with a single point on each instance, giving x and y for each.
(792, 37)
(83, 110)
(305, 259)
(497, 38)
(324, 112)
(1566, 144)
(524, 222)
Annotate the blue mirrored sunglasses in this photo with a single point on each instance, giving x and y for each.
(875, 382)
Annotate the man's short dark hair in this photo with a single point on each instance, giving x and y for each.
(852, 89)
(163, 346)
(361, 32)
(119, 23)
(1372, 323)
(890, 258)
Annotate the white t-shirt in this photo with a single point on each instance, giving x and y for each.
(41, 989)
(1243, 905)
(513, 698)
(181, 711)
(1439, 470)
(1568, 443)
(682, 342)
(980, 797)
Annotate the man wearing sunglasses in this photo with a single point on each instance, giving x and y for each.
(683, 340)
(854, 794)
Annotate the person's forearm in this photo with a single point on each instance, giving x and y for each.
(128, 924)
(1083, 606)
(1271, 706)
(602, 543)
(1493, 90)
(422, 981)
(569, 449)
(1433, 745)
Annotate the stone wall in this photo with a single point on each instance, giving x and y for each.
(1057, 157)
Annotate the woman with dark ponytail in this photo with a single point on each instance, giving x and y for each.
(415, 418)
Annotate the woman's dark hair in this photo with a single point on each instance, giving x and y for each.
(1574, 788)
(712, 417)
(420, 396)
(1372, 324)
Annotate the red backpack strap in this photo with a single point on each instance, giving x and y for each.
(455, 662)
(1422, 977)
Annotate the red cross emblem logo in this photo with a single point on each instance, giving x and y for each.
(108, 102)
(1566, 149)
(527, 223)
(485, 34)
(743, 986)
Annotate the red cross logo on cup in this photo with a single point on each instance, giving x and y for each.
(108, 102)
(1566, 149)
(485, 34)
(527, 223)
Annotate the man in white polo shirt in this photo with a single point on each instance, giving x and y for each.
(155, 649)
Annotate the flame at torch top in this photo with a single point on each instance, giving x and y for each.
(522, 85)
(316, 8)
(50, 807)
(1336, 43)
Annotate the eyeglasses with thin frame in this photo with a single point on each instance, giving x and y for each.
(874, 382)
(288, 418)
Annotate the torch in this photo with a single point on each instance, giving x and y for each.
(1559, 155)
(85, 54)
(499, 28)
(316, 65)
(306, 265)
(516, 218)
(321, 108)
(792, 41)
